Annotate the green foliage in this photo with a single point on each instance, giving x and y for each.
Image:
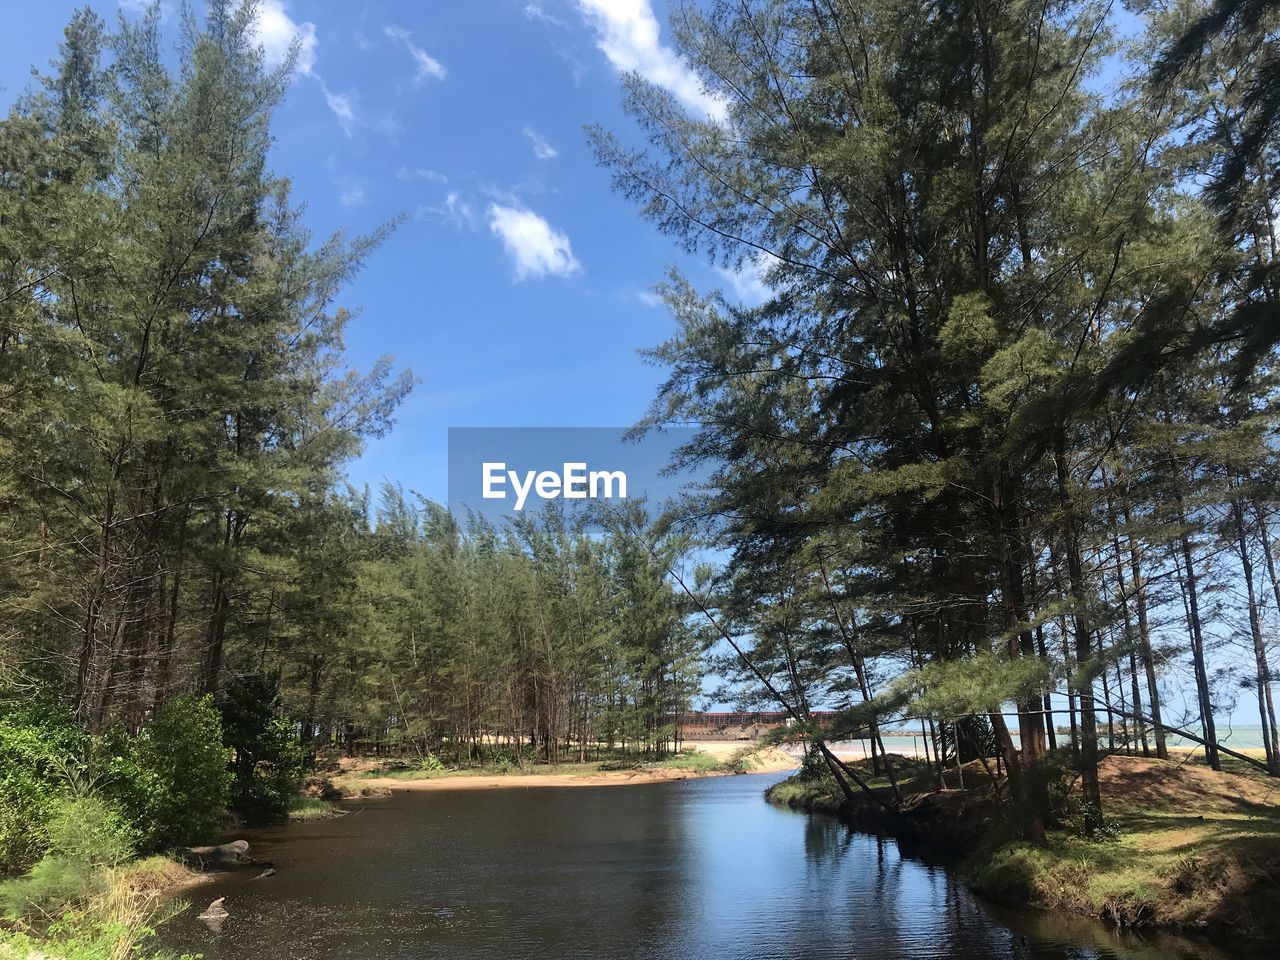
(545, 628)
(267, 760)
(114, 924)
(85, 835)
(974, 738)
(179, 406)
(814, 768)
(77, 939)
(979, 684)
(812, 793)
(310, 808)
(172, 779)
(919, 458)
(39, 748)
(432, 764)
(699, 762)
(1048, 792)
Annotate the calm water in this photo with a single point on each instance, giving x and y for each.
(696, 869)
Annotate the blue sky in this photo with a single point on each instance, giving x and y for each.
(517, 289)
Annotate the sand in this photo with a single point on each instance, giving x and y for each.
(769, 760)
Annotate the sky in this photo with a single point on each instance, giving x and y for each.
(519, 288)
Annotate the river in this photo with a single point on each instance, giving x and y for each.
(686, 870)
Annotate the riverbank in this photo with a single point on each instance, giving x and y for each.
(120, 908)
(358, 778)
(1186, 848)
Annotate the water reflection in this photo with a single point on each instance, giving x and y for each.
(697, 869)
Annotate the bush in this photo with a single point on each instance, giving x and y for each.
(814, 767)
(39, 748)
(267, 759)
(974, 738)
(172, 779)
(431, 763)
(1050, 791)
(85, 835)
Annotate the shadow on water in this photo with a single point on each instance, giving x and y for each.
(694, 869)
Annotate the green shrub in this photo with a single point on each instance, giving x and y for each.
(814, 766)
(39, 748)
(267, 759)
(430, 763)
(91, 935)
(85, 834)
(1050, 791)
(171, 779)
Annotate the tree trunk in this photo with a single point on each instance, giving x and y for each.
(1192, 594)
(1266, 716)
(1144, 629)
(1265, 536)
(1089, 783)
(1037, 602)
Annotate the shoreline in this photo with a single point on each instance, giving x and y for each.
(760, 759)
(1174, 860)
(515, 781)
(169, 877)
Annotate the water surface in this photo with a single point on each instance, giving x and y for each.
(694, 870)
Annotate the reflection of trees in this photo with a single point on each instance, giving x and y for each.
(825, 841)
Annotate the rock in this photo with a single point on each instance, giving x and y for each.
(269, 872)
(214, 915)
(235, 850)
(221, 857)
(214, 911)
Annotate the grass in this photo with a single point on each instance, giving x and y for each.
(1191, 849)
(692, 761)
(818, 791)
(311, 808)
(806, 794)
(488, 770)
(151, 876)
(114, 922)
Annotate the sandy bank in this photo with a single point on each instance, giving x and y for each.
(766, 760)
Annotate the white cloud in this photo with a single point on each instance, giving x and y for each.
(459, 211)
(343, 106)
(579, 68)
(748, 281)
(142, 6)
(541, 148)
(535, 11)
(456, 210)
(627, 33)
(535, 248)
(276, 31)
(420, 173)
(352, 196)
(649, 298)
(428, 66)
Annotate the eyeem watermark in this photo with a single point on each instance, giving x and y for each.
(573, 482)
(503, 473)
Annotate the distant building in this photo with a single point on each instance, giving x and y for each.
(738, 725)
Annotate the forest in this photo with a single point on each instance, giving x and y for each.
(177, 527)
(1002, 438)
(994, 460)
